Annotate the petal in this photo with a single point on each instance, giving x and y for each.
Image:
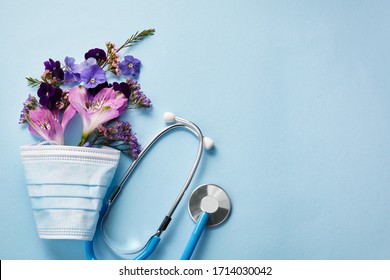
(32, 130)
(129, 58)
(68, 77)
(78, 68)
(47, 65)
(86, 75)
(69, 61)
(78, 98)
(67, 116)
(100, 77)
(124, 68)
(90, 61)
(111, 98)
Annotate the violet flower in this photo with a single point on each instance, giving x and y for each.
(95, 110)
(98, 54)
(122, 87)
(49, 95)
(78, 68)
(71, 70)
(95, 90)
(130, 66)
(93, 76)
(55, 68)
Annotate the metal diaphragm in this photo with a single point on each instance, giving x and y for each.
(211, 199)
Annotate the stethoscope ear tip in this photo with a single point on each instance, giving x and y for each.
(169, 117)
(208, 143)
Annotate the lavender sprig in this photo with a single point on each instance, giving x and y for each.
(30, 104)
(137, 98)
(118, 135)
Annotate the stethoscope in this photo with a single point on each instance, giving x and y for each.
(209, 205)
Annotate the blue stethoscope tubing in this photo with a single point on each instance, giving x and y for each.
(195, 236)
(204, 142)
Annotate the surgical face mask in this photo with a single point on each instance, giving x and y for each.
(66, 185)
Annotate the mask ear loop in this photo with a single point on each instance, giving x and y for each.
(181, 123)
(48, 142)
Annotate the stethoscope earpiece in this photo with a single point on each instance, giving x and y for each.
(208, 143)
(169, 117)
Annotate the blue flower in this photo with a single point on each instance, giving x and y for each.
(130, 66)
(78, 68)
(93, 76)
(71, 70)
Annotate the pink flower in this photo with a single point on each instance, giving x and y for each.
(108, 104)
(45, 124)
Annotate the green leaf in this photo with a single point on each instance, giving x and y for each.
(137, 37)
(32, 82)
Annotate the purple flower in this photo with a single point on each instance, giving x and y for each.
(30, 104)
(134, 146)
(98, 54)
(96, 110)
(71, 70)
(120, 135)
(78, 68)
(49, 95)
(95, 90)
(43, 123)
(93, 76)
(130, 66)
(55, 68)
(137, 98)
(122, 87)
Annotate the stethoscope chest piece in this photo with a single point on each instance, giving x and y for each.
(209, 205)
(211, 199)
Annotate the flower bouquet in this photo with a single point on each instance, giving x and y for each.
(66, 198)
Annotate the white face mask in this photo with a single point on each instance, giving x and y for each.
(66, 185)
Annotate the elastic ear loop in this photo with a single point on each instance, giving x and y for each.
(49, 142)
(189, 126)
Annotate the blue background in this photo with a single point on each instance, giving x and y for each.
(296, 95)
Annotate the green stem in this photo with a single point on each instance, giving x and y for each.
(84, 138)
